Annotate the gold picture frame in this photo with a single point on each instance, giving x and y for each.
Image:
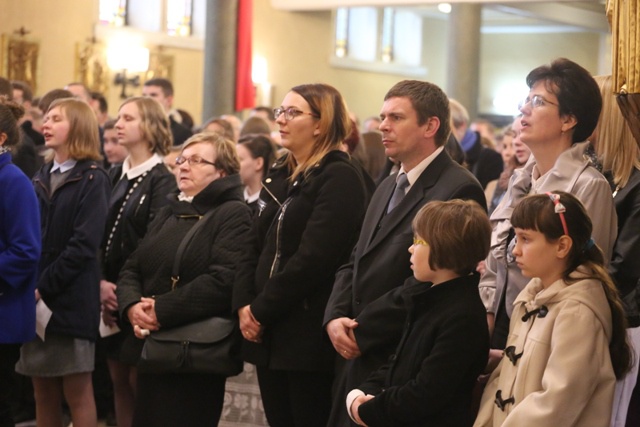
(160, 65)
(91, 66)
(19, 59)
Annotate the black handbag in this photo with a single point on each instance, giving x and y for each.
(210, 345)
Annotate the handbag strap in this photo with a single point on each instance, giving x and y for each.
(175, 271)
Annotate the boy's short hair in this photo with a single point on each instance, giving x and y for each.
(458, 233)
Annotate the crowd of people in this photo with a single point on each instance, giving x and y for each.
(427, 271)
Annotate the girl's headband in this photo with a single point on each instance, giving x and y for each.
(559, 209)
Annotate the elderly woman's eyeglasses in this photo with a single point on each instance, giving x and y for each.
(536, 101)
(290, 113)
(194, 160)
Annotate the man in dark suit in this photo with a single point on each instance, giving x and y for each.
(415, 127)
(162, 91)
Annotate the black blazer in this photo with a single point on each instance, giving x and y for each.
(444, 347)
(305, 231)
(72, 221)
(145, 200)
(179, 132)
(624, 267)
(484, 163)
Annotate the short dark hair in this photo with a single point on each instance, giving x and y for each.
(267, 110)
(52, 95)
(577, 92)
(458, 233)
(255, 124)
(429, 101)
(10, 113)
(109, 124)
(27, 93)
(164, 84)
(103, 106)
(260, 146)
(5, 88)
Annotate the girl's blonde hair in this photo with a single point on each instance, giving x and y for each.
(334, 124)
(83, 139)
(154, 124)
(615, 145)
(537, 212)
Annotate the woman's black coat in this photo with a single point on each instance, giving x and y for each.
(73, 220)
(209, 262)
(305, 230)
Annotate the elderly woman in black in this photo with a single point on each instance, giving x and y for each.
(208, 181)
(312, 205)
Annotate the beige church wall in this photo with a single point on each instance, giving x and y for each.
(57, 26)
(297, 47)
(506, 59)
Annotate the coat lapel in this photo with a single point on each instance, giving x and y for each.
(418, 192)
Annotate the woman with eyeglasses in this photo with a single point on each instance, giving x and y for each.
(209, 185)
(141, 185)
(558, 115)
(312, 206)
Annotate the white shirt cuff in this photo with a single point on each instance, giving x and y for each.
(353, 394)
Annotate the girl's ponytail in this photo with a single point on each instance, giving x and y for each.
(557, 214)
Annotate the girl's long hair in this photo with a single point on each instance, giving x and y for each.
(537, 212)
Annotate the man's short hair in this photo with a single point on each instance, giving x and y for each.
(103, 106)
(5, 88)
(51, 96)
(27, 93)
(428, 100)
(268, 111)
(164, 84)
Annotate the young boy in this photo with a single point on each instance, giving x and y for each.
(445, 343)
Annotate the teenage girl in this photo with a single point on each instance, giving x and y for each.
(566, 343)
(141, 185)
(256, 153)
(72, 194)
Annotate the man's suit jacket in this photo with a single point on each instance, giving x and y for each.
(179, 132)
(380, 263)
(380, 260)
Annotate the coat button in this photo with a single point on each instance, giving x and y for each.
(357, 301)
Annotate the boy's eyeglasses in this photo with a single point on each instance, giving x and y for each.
(420, 242)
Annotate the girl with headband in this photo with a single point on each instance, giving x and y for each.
(566, 344)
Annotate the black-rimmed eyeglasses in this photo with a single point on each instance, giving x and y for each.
(194, 160)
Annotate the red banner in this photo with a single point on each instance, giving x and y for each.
(245, 91)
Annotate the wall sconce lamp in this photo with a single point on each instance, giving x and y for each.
(264, 89)
(127, 59)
